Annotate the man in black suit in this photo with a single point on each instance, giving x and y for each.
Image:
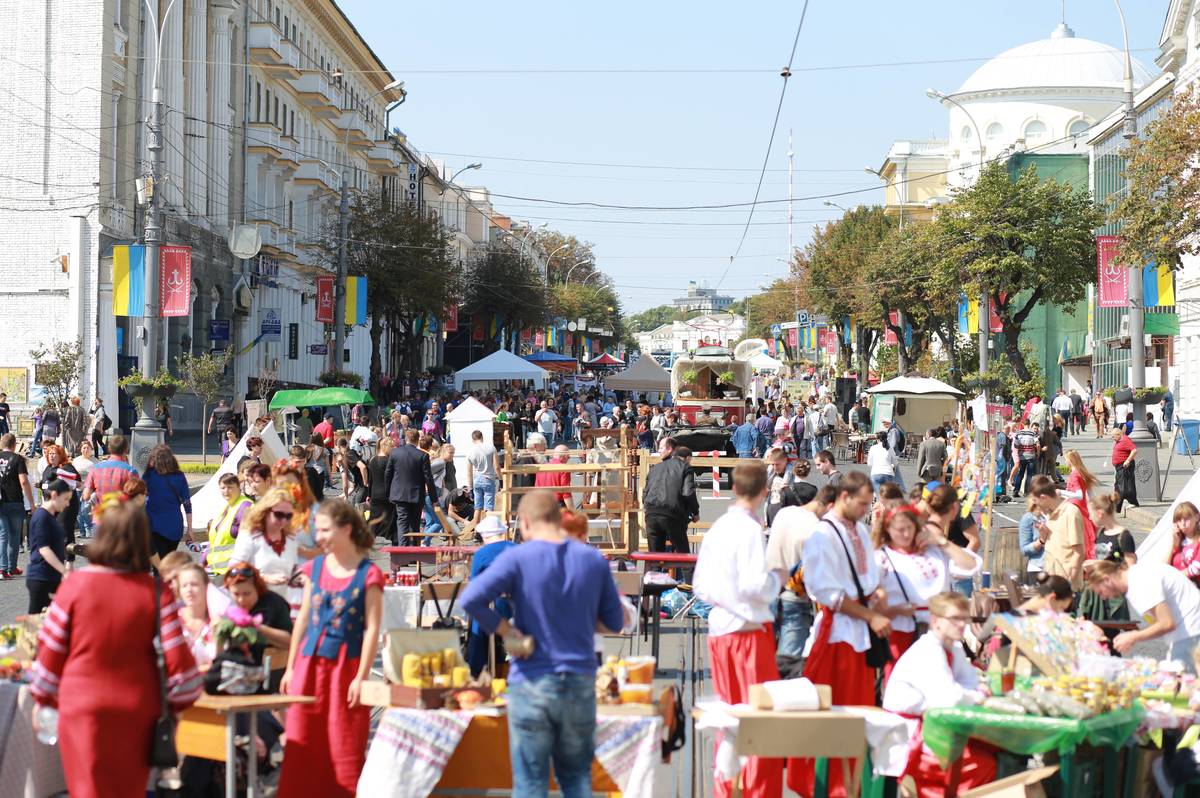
(410, 478)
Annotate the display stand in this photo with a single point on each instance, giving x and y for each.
(1176, 435)
(1023, 646)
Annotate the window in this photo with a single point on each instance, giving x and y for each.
(291, 215)
(287, 24)
(292, 123)
(966, 133)
(276, 117)
(1079, 127)
(995, 132)
(1036, 132)
(257, 101)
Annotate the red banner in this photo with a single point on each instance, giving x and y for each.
(569, 340)
(325, 300)
(175, 281)
(539, 339)
(831, 341)
(792, 338)
(526, 335)
(477, 331)
(451, 324)
(771, 347)
(1112, 279)
(889, 335)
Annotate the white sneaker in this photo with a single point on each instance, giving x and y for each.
(1165, 787)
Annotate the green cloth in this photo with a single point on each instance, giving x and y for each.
(946, 731)
(1094, 608)
(1161, 323)
(320, 397)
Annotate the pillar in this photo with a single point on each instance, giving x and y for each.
(171, 77)
(196, 70)
(221, 115)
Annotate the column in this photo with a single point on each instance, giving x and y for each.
(196, 70)
(220, 114)
(171, 76)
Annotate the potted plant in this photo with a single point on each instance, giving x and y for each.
(728, 381)
(1151, 395)
(1121, 396)
(163, 386)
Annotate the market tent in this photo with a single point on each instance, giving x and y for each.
(553, 361)
(500, 366)
(644, 375)
(469, 416)
(916, 386)
(291, 398)
(764, 362)
(208, 502)
(915, 403)
(320, 397)
(604, 360)
(1161, 538)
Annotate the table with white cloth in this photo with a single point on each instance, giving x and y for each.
(418, 753)
(400, 606)
(28, 769)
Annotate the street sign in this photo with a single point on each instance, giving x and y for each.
(218, 330)
(776, 330)
(802, 318)
(293, 341)
(270, 324)
(318, 349)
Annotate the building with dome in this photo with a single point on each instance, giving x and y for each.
(1032, 105)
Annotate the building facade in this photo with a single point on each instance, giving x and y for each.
(679, 337)
(700, 299)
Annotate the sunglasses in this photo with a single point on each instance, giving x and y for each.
(245, 573)
(279, 515)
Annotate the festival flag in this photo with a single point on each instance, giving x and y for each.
(325, 300)
(175, 281)
(1158, 286)
(1111, 277)
(451, 324)
(477, 332)
(129, 280)
(355, 301)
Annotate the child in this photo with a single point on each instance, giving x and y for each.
(934, 672)
(333, 646)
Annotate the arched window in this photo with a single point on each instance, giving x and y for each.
(966, 133)
(1036, 132)
(1079, 127)
(995, 132)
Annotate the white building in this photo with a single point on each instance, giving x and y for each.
(677, 337)
(702, 299)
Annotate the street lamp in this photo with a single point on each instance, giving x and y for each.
(550, 257)
(456, 174)
(829, 204)
(339, 285)
(567, 279)
(934, 94)
(525, 240)
(590, 276)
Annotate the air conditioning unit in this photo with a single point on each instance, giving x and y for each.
(1124, 329)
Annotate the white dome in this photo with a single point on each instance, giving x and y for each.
(1062, 61)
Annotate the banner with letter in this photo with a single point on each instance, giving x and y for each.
(325, 300)
(1111, 277)
(175, 281)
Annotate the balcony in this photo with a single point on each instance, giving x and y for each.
(263, 139)
(265, 42)
(315, 92)
(383, 156)
(351, 123)
(315, 173)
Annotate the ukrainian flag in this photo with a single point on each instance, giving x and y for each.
(968, 315)
(129, 280)
(356, 300)
(1158, 286)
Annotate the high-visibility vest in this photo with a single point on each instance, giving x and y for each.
(220, 535)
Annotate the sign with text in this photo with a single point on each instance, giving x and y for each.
(270, 324)
(325, 300)
(218, 330)
(318, 349)
(1112, 278)
(451, 319)
(175, 281)
(293, 341)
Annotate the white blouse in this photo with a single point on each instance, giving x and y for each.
(923, 575)
(254, 549)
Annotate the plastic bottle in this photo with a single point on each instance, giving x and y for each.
(46, 722)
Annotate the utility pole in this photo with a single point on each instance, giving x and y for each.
(339, 283)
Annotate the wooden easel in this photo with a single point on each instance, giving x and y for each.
(1176, 435)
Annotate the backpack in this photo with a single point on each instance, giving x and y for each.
(901, 438)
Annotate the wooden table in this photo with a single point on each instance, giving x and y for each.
(401, 556)
(807, 735)
(202, 731)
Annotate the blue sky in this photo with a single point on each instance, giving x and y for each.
(693, 85)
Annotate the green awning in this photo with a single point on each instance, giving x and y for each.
(291, 398)
(320, 397)
(1162, 323)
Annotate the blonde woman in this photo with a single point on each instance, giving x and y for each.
(268, 538)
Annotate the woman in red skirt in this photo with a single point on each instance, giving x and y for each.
(333, 646)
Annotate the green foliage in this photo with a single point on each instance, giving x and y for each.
(503, 284)
(1003, 382)
(564, 253)
(1160, 213)
(651, 318)
(204, 374)
(163, 386)
(198, 468)
(689, 376)
(726, 378)
(338, 378)
(56, 368)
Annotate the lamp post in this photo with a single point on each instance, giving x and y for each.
(571, 270)
(829, 204)
(551, 257)
(339, 285)
(460, 171)
(985, 302)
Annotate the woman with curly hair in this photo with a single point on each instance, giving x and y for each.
(268, 538)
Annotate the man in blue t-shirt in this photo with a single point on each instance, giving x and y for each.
(47, 547)
(561, 591)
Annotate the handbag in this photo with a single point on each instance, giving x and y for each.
(162, 745)
(921, 626)
(878, 653)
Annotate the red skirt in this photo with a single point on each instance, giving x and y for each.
(326, 740)
(898, 643)
(853, 684)
(978, 767)
(738, 661)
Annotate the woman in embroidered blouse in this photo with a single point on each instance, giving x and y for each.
(267, 539)
(197, 624)
(915, 566)
(333, 646)
(96, 661)
(1080, 484)
(1185, 545)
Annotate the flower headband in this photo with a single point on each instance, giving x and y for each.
(904, 508)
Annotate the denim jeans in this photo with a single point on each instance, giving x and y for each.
(552, 718)
(1182, 651)
(1003, 469)
(12, 519)
(963, 586)
(485, 493)
(877, 481)
(796, 620)
(1025, 473)
(430, 523)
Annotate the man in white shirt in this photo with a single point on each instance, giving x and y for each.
(1063, 407)
(547, 422)
(839, 568)
(785, 551)
(1157, 593)
(935, 673)
(733, 576)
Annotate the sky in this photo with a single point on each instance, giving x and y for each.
(665, 103)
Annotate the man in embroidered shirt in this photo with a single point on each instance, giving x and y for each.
(935, 673)
(108, 476)
(839, 568)
(733, 576)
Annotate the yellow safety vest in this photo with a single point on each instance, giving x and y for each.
(220, 536)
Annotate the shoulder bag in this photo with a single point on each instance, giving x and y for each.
(878, 653)
(921, 626)
(162, 746)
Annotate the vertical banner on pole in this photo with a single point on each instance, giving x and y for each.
(325, 300)
(129, 280)
(1111, 277)
(175, 281)
(716, 476)
(451, 319)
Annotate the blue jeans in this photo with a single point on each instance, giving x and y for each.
(1003, 469)
(963, 586)
(12, 519)
(877, 481)
(485, 493)
(552, 718)
(795, 623)
(1026, 469)
(430, 524)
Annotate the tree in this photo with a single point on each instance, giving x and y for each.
(204, 376)
(1160, 213)
(563, 253)
(599, 304)
(405, 254)
(774, 305)
(56, 368)
(1017, 243)
(651, 318)
(505, 288)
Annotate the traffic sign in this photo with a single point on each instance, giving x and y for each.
(318, 349)
(776, 330)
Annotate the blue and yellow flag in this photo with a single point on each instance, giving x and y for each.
(129, 280)
(1158, 286)
(356, 300)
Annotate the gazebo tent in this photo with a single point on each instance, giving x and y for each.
(605, 360)
(500, 366)
(915, 403)
(644, 375)
(764, 362)
(552, 361)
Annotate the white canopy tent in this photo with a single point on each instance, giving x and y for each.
(469, 416)
(764, 362)
(915, 403)
(916, 386)
(498, 367)
(208, 502)
(644, 375)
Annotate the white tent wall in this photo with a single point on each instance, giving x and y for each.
(208, 500)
